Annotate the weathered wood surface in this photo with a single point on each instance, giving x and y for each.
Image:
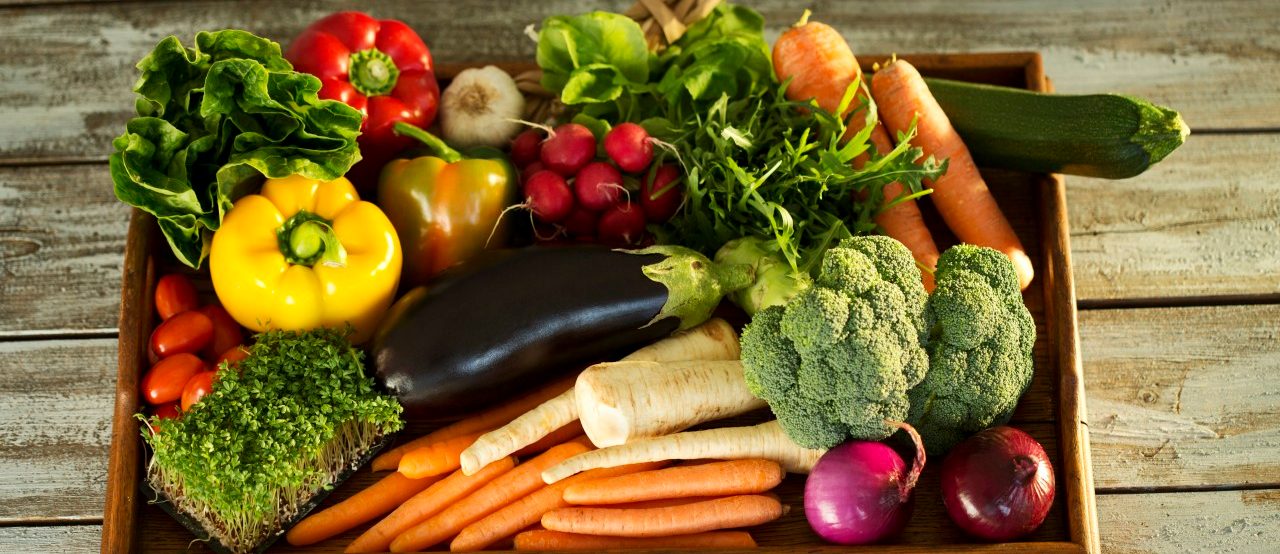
(55, 415)
(68, 69)
(71, 539)
(61, 241)
(1240, 522)
(1205, 222)
(1183, 397)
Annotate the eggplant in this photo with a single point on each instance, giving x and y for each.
(507, 321)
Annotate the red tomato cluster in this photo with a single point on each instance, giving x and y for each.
(187, 347)
(574, 194)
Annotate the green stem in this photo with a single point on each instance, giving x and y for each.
(695, 284)
(372, 72)
(308, 239)
(432, 142)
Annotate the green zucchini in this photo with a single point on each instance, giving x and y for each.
(1096, 135)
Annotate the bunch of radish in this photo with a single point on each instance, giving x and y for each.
(577, 195)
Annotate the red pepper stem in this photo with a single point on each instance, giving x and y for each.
(917, 465)
(432, 142)
(373, 73)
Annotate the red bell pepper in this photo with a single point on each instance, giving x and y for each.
(380, 67)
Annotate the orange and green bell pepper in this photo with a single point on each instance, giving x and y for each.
(303, 254)
(445, 206)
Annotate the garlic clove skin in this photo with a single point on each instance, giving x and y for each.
(480, 108)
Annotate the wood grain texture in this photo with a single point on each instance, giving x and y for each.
(61, 238)
(65, 71)
(71, 539)
(1240, 522)
(54, 420)
(1204, 222)
(1183, 397)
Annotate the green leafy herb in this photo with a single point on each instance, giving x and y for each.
(756, 164)
(212, 122)
(245, 458)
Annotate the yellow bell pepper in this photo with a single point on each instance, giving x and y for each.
(303, 254)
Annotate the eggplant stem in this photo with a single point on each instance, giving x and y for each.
(917, 465)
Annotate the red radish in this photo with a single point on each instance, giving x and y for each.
(622, 225)
(998, 485)
(661, 196)
(581, 222)
(598, 186)
(860, 492)
(526, 147)
(548, 196)
(569, 148)
(629, 146)
(529, 170)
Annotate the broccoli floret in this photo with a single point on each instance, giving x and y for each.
(980, 340)
(836, 360)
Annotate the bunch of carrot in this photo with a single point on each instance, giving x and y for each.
(821, 67)
(640, 505)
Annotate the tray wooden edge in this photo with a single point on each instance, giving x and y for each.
(138, 276)
(125, 459)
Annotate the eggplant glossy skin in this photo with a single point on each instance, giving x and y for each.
(509, 321)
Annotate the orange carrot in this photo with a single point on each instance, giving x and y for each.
(529, 510)
(962, 197)
(542, 539)
(480, 423)
(821, 66)
(427, 503)
(661, 502)
(563, 434)
(715, 479)
(710, 515)
(375, 500)
(436, 458)
(514, 484)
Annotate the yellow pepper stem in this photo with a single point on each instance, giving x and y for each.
(308, 239)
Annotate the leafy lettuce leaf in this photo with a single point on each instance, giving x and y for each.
(212, 122)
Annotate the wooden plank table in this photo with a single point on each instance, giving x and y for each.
(1178, 270)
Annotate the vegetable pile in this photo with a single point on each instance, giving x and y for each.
(674, 173)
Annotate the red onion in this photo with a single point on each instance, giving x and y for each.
(860, 492)
(998, 484)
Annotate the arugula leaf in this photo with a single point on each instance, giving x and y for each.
(213, 121)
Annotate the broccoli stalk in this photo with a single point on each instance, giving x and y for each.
(980, 345)
(775, 282)
(865, 344)
(837, 359)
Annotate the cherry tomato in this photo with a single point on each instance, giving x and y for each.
(226, 332)
(199, 385)
(187, 332)
(164, 412)
(232, 356)
(165, 381)
(167, 411)
(174, 295)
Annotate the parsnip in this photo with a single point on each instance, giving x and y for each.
(623, 401)
(713, 340)
(767, 441)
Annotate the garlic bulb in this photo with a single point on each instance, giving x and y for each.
(479, 108)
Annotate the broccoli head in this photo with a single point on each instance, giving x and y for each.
(836, 360)
(980, 348)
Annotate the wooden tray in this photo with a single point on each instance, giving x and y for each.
(1052, 409)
